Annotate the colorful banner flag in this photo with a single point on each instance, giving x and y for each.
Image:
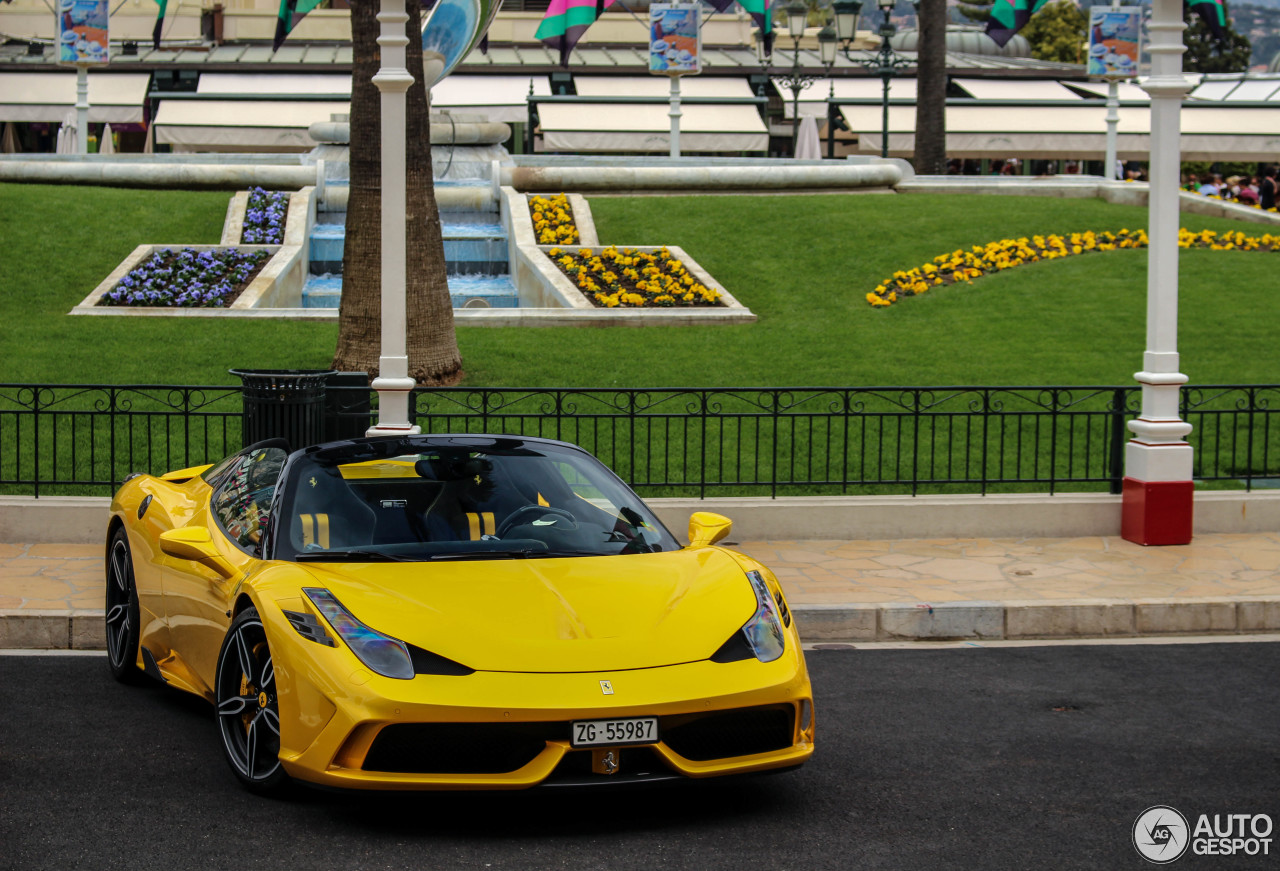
(291, 12)
(762, 14)
(155, 31)
(1214, 15)
(566, 21)
(1010, 16)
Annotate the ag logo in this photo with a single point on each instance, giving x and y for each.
(606, 687)
(1161, 834)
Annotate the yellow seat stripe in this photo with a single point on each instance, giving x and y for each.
(315, 529)
(480, 524)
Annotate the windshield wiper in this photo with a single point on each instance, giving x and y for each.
(333, 556)
(515, 553)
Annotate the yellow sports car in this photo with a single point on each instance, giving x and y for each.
(451, 612)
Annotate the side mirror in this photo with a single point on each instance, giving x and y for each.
(706, 528)
(195, 544)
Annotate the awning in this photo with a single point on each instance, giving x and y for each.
(114, 98)
(1225, 118)
(495, 98)
(254, 125)
(1067, 132)
(275, 84)
(646, 127)
(813, 99)
(660, 86)
(1017, 89)
(1126, 92)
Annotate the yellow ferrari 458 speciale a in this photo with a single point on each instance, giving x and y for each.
(451, 612)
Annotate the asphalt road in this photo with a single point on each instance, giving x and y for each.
(1031, 757)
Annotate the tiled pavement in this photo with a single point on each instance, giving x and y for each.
(856, 590)
(938, 571)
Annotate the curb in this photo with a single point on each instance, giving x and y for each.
(1078, 618)
(53, 630)
(889, 621)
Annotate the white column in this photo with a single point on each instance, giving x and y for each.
(1113, 124)
(1158, 484)
(82, 108)
(675, 113)
(393, 80)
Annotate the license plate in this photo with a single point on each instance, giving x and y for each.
(633, 730)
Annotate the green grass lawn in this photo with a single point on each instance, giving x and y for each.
(803, 264)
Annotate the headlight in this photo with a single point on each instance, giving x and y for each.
(382, 653)
(764, 630)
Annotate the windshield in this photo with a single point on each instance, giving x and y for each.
(512, 500)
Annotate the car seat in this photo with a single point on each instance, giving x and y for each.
(328, 514)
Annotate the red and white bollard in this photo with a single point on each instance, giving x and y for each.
(1158, 493)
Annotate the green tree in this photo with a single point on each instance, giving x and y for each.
(1058, 32)
(1206, 54)
(431, 343)
(976, 10)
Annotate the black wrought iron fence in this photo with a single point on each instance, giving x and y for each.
(79, 439)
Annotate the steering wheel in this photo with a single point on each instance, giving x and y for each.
(516, 516)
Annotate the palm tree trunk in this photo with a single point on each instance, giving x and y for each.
(931, 97)
(431, 344)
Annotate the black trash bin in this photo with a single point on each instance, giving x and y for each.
(284, 403)
(348, 412)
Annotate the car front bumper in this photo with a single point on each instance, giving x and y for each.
(343, 726)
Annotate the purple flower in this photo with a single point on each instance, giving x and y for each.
(264, 217)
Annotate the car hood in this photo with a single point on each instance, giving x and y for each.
(553, 615)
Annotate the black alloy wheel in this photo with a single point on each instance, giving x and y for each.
(121, 612)
(246, 705)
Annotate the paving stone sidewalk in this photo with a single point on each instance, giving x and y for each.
(52, 594)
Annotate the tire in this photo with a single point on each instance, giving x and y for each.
(121, 613)
(246, 706)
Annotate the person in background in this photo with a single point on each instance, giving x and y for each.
(1192, 183)
(1267, 188)
(1249, 192)
(1212, 188)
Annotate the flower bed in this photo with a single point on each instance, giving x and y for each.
(264, 217)
(553, 220)
(187, 278)
(633, 279)
(962, 265)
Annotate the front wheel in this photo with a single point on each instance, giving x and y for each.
(246, 705)
(122, 612)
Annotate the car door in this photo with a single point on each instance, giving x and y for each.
(197, 598)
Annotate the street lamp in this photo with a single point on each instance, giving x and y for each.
(393, 80)
(797, 12)
(885, 63)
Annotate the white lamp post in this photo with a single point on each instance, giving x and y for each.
(1158, 489)
(393, 80)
